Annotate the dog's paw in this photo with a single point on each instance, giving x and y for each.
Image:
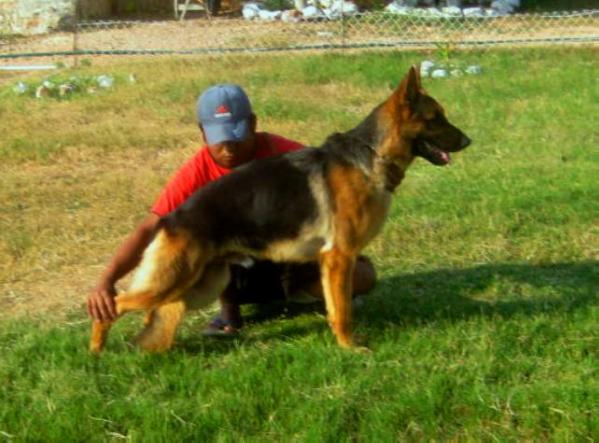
(361, 350)
(151, 341)
(95, 348)
(357, 343)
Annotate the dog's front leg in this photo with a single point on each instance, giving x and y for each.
(336, 270)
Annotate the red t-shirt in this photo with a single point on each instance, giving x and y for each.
(202, 169)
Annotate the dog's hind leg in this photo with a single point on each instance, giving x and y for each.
(336, 268)
(162, 322)
(171, 264)
(99, 334)
(159, 333)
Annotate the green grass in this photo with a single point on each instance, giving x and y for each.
(483, 325)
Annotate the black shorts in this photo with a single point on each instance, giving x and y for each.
(266, 281)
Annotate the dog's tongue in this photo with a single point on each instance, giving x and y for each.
(440, 157)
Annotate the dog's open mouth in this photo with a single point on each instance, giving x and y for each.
(430, 152)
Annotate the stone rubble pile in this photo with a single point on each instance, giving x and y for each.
(335, 9)
(431, 69)
(453, 8)
(313, 10)
(60, 87)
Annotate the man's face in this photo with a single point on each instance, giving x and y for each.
(232, 154)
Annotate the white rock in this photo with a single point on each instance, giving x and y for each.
(474, 70)
(432, 12)
(426, 67)
(250, 11)
(312, 12)
(346, 8)
(396, 8)
(502, 7)
(473, 12)
(105, 81)
(439, 73)
(331, 14)
(503, 10)
(452, 10)
(269, 15)
(20, 88)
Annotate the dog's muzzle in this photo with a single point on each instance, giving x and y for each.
(465, 142)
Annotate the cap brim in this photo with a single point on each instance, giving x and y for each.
(226, 132)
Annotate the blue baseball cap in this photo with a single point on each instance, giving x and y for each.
(224, 111)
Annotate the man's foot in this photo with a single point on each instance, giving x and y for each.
(220, 328)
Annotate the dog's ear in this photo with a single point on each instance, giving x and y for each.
(415, 71)
(409, 88)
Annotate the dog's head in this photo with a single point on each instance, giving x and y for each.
(415, 125)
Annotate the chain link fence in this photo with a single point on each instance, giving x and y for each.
(207, 35)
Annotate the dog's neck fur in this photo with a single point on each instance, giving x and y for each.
(367, 146)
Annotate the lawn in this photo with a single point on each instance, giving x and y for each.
(483, 325)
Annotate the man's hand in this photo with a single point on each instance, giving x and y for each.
(100, 302)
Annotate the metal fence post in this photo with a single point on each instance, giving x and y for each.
(76, 34)
(343, 24)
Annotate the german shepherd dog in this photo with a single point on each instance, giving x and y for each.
(321, 204)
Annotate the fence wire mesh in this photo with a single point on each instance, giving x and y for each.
(368, 30)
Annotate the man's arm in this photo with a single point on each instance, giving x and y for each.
(100, 302)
